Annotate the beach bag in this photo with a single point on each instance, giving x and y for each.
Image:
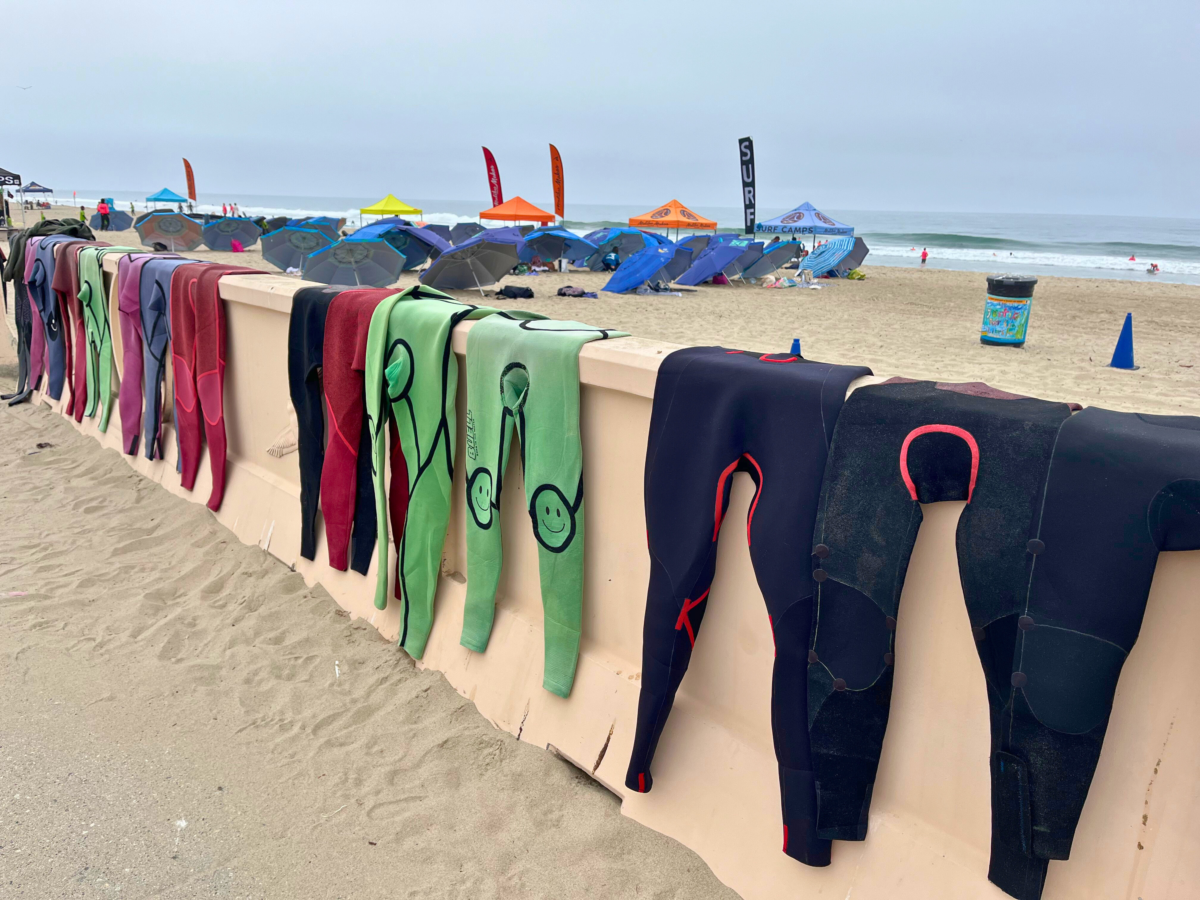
(512, 292)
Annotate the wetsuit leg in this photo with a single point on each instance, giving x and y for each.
(43, 296)
(718, 412)
(524, 372)
(411, 375)
(37, 345)
(129, 397)
(306, 341)
(210, 370)
(896, 446)
(24, 320)
(154, 303)
(347, 493)
(93, 296)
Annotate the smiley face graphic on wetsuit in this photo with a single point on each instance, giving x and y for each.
(479, 497)
(553, 517)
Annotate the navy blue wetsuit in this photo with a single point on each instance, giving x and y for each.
(717, 412)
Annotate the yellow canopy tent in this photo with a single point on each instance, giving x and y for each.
(390, 206)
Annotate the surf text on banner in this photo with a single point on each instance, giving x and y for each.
(746, 153)
(493, 174)
(556, 176)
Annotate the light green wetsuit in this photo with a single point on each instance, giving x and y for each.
(411, 375)
(523, 373)
(94, 301)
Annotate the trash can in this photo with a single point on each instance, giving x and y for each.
(1006, 312)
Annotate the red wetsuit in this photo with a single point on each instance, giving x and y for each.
(198, 361)
(345, 358)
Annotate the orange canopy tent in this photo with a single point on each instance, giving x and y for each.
(672, 215)
(517, 210)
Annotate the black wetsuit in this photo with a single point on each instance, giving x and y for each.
(306, 343)
(717, 412)
(1057, 545)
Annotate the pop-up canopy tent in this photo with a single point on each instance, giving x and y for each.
(517, 210)
(390, 206)
(672, 215)
(34, 188)
(9, 179)
(804, 219)
(166, 195)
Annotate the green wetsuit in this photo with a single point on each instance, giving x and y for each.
(94, 301)
(411, 375)
(523, 373)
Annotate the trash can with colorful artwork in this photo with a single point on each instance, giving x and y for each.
(1006, 313)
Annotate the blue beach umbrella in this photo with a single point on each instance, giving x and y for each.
(464, 231)
(218, 235)
(660, 263)
(327, 225)
(117, 221)
(477, 262)
(775, 256)
(415, 244)
(365, 263)
(442, 231)
(837, 257)
(286, 247)
(714, 260)
(624, 241)
(552, 242)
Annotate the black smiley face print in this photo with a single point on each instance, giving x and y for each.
(553, 518)
(479, 497)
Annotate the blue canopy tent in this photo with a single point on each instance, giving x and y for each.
(415, 244)
(34, 188)
(553, 242)
(716, 258)
(661, 263)
(804, 219)
(166, 195)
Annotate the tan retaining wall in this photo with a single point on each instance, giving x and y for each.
(716, 787)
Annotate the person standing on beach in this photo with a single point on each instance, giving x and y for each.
(224, 209)
(82, 215)
(924, 255)
(102, 208)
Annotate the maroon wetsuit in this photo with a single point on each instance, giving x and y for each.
(198, 361)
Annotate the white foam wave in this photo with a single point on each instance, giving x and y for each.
(1037, 258)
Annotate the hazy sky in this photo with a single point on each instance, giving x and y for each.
(1051, 106)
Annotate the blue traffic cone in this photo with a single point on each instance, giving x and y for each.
(1122, 357)
(795, 346)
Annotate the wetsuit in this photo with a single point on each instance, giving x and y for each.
(412, 378)
(66, 286)
(198, 362)
(347, 492)
(154, 295)
(523, 375)
(94, 299)
(129, 396)
(37, 342)
(22, 317)
(42, 294)
(717, 412)
(306, 343)
(1057, 545)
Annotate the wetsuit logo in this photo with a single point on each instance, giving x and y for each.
(554, 522)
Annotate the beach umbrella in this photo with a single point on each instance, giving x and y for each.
(836, 257)
(275, 222)
(476, 263)
(659, 263)
(464, 231)
(173, 230)
(415, 244)
(555, 243)
(117, 221)
(714, 260)
(750, 255)
(625, 241)
(324, 224)
(286, 247)
(442, 231)
(364, 263)
(219, 234)
(775, 256)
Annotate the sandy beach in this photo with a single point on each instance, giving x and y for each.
(186, 718)
(922, 323)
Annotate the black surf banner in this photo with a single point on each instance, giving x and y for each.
(746, 154)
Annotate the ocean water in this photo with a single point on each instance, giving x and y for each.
(1034, 244)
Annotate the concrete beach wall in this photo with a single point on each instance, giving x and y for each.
(715, 776)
